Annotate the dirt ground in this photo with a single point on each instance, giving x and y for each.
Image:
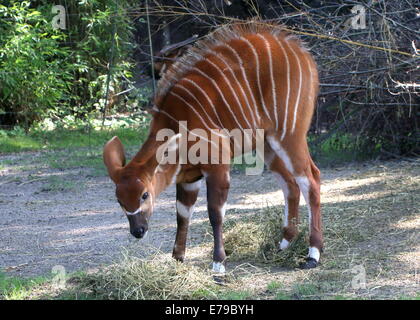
(51, 217)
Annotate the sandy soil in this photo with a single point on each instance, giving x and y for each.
(70, 217)
(79, 225)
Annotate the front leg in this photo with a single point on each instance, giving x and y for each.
(217, 191)
(186, 196)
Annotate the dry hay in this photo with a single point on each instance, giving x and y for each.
(255, 238)
(157, 276)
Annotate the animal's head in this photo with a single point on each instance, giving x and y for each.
(137, 183)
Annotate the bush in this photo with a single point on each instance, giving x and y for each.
(32, 76)
(46, 72)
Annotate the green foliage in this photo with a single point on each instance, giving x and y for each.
(342, 147)
(32, 76)
(13, 288)
(72, 135)
(47, 72)
(100, 35)
(235, 295)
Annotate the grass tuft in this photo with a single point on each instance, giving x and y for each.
(14, 288)
(255, 238)
(156, 277)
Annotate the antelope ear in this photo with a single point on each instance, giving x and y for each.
(114, 157)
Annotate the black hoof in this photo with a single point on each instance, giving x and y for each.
(310, 263)
(220, 280)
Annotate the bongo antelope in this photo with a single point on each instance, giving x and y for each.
(242, 76)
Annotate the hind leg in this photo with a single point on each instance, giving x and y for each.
(297, 161)
(309, 183)
(291, 194)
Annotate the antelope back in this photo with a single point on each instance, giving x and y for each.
(245, 76)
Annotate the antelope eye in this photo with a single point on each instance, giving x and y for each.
(145, 195)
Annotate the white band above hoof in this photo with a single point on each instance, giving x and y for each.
(284, 244)
(218, 267)
(314, 253)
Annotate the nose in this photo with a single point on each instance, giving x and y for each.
(138, 232)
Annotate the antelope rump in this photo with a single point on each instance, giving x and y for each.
(243, 76)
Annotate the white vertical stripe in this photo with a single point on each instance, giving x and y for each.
(220, 93)
(231, 89)
(288, 90)
(281, 153)
(311, 77)
(220, 57)
(186, 128)
(258, 73)
(304, 186)
(198, 115)
(299, 89)
(273, 84)
(241, 65)
(208, 99)
(180, 86)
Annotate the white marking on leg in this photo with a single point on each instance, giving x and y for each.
(314, 253)
(281, 153)
(223, 210)
(283, 184)
(304, 186)
(218, 267)
(284, 244)
(194, 186)
(183, 210)
(177, 170)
